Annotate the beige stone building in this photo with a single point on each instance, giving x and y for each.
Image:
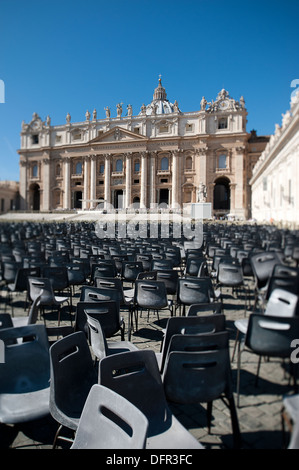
(9, 196)
(158, 155)
(275, 192)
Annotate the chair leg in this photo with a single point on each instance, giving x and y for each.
(258, 371)
(236, 342)
(235, 423)
(209, 415)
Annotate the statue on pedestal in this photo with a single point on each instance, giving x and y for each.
(201, 193)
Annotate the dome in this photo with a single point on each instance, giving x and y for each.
(160, 103)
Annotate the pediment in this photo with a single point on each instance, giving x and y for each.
(118, 134)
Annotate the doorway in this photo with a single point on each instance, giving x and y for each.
(222, 194)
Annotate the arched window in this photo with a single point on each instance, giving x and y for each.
(35, 171)
(102, 168)
(164, 164)
(78, 168)
(119, 165)
(222, 161)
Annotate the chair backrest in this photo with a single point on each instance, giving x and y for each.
(97, 337)
(109, 421)
(41, 287)
(150, 294)
(194, 325)
(27, 365)
(282, 303)
(158, 264)
(57, 276)
(200, 371)
(99, 294)
(145, 259)
(21, 281)
(271, 335)
(106, 312)
(230, 274)
(135, 376)
(262, 266)
(193, 264)
(170, 278)
(72, 376)
(131, 269)
(5, 321)
(106, 268)
(207, 308)
(195, 290)
(283, 277)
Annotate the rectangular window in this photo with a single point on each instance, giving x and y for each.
(136, 181)
(34, 139)
(137, 130)
(189, 127)
(222, 161)
(222, 123)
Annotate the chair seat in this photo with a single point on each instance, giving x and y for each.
(176, 436)
(16, 408)
(60, 299)
(291, 404)
(116, 347)
(242, 325)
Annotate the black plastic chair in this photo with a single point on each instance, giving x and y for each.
(269, 336)
(109, 421)
(135, 376)
(188, 325)
(42, 287)
(130, 271)
(72, 376)
(150, 296)
(114, 291)
(20, 283)
(262, 264)
(193, 290)
(107, 311)
(231, 275)
(198, 370)
(98, 341)
(24, 374)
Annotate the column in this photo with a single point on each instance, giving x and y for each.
(153, 198)
(46, 184)
(85, 203)
(93, 181)
(128, 180)
(23, 185)
(239, 179)
(203, 165)
(143, 182)
(107, 179)
(174, 200)
(67, 183)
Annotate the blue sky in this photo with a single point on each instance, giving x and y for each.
(69, 56)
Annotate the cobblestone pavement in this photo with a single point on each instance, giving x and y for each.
(260, 407)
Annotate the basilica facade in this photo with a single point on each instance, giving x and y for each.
(160, 155)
